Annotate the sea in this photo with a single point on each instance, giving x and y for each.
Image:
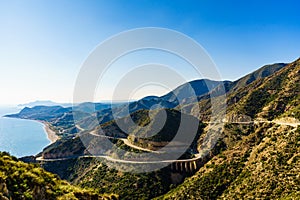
(21, 137)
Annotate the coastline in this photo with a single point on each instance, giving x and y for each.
(13, 130)
(51, 135)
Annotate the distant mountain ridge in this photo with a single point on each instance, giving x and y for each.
(231, 89)
(44, 103)
(188, 94)
(262, 72)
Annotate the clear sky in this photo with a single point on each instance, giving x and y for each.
(44, 42)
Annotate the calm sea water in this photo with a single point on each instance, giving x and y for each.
(21, 137)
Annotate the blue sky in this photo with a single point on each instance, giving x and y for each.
(43, 43)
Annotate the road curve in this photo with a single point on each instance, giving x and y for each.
(197, 156)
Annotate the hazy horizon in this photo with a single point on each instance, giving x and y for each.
(45, 43)
(118, 100)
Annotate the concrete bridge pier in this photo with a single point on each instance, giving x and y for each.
(186, 167)
(195, 165)
(181, 166)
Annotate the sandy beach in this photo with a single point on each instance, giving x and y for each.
(51, 135)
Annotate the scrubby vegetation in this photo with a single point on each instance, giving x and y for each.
(264, 164)
(19, 180)
(92, 173)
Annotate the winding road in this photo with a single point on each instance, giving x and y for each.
(197, 156)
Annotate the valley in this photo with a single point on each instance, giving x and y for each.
(251, 151)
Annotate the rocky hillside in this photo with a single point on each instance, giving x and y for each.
(271, 91)
(260, 160)
(272, 97)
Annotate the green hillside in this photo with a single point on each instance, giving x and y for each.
(19, 180)
(93, 173)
